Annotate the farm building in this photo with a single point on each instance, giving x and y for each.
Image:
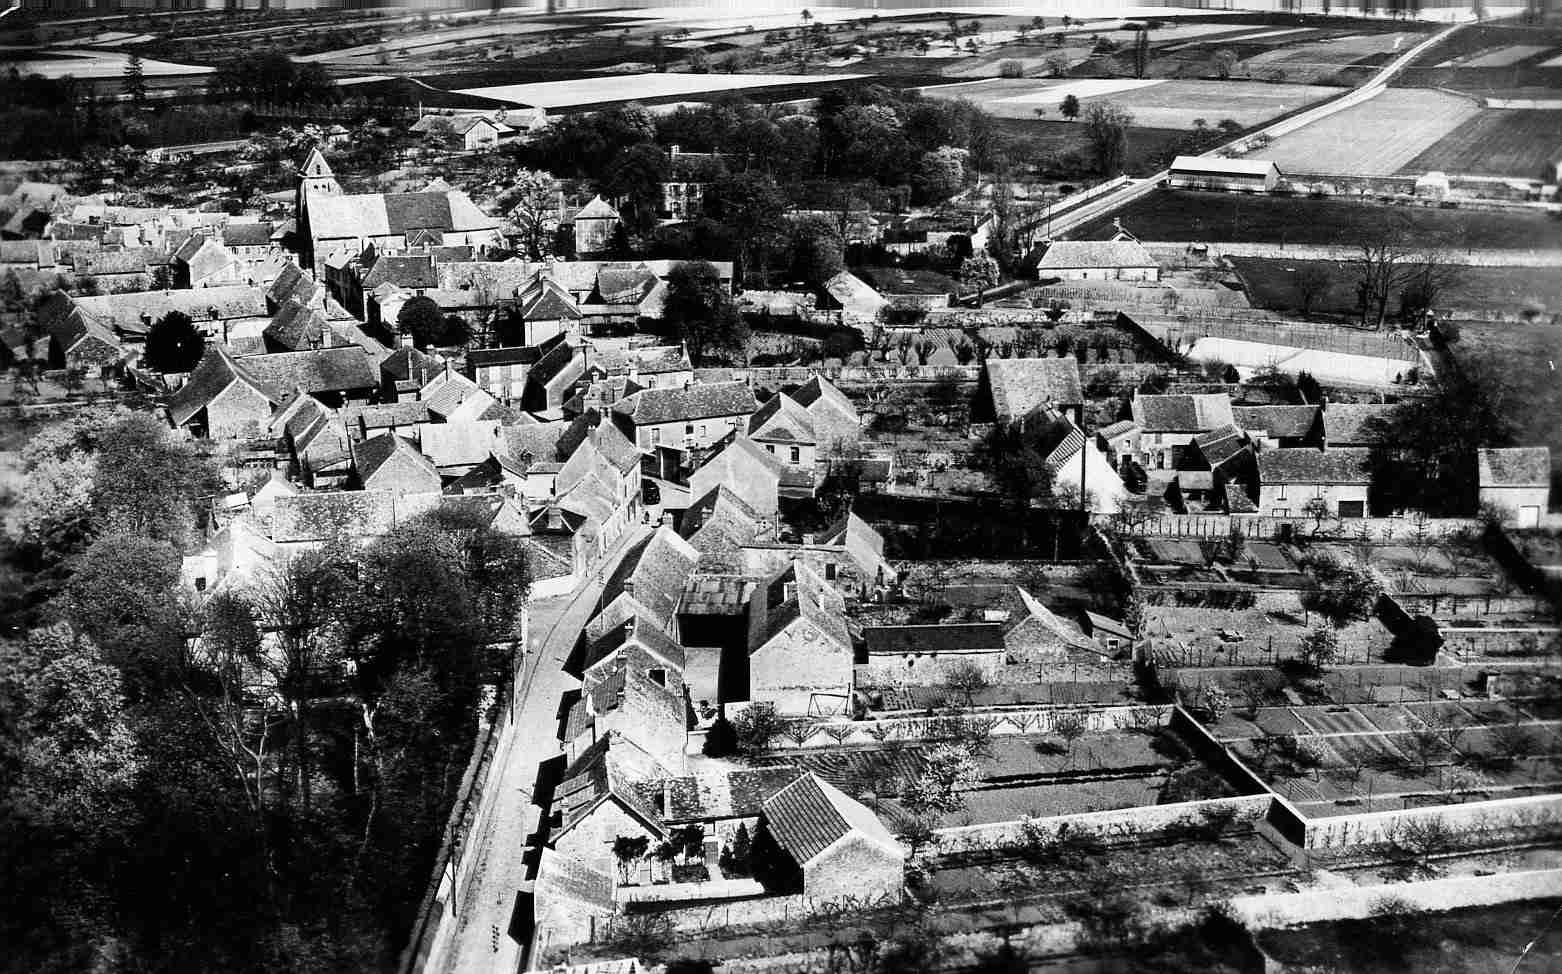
(1012, 389)
(1516, 481)
(1239, 175)
(1433, 185)
(469, 132)
(1098, 260)
(1291, 479)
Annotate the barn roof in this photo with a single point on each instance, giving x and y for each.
(810, 815)
(1523, 466)
(1340, 465)
(1087, 254)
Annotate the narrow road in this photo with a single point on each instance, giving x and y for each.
(1091, 211)
(491, 893)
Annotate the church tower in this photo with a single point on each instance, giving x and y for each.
(315, 179)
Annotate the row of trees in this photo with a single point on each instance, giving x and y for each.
(211, 780)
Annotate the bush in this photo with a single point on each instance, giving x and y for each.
(1011, 69)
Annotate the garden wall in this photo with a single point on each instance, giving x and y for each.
(1011, 720)
(1342, 253)
(1216, 526)
(1119, 825)
(1485, 822)
(1279, 813)
(1357, 902)
(754, 912)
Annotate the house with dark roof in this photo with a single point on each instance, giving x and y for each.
(391, 464)
(654, 574)
(1291, 481)
(468, 132)
(1010, 389)
(1278, 426)
(223, 399)
(800, 651)
(132, 314)
(718, 524)
(404, 373)
(620, 697)
(297, 327)
(546, 309)
(1098, 260)
(311, 444)
(1218, 464)
(75, 341)
(1168, 423)
(1358, 424)
(501, 372)
(1516, 481)
(837, 843)
(551, 380)
(836, 421)
(743, 467)
(683, 419)
(202, 261)
(336, 375)
(596, 802)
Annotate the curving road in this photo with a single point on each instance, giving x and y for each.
(1105, 205)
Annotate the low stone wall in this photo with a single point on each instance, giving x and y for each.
(1256, 527)
(1520, 818)
(1001, 721)
(716, 889)
(760, 911)
(1356, 902)
(1117, 825)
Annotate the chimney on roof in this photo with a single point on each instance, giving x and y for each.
(629, 586)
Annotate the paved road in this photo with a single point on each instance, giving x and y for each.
(490, 898)
(1091, 211)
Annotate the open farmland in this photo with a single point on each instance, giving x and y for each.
(1185, 215)
(1498, 142)
(638, 87)
(1491, 60)
(1314, 60)
(1153, 103)
(1272, 284)
(1376, 138)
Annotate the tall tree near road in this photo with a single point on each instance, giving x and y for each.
(1106, 126)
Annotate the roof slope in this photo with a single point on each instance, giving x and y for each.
(1338, 465)
(216, 371)
(1523, 466)
(1019, 385)
(1182, 413)
(811, 815)
(1089, 254)
(701, 401)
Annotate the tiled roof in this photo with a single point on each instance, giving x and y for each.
(799, 593)
(1182, 413)
(698, 401)
(620, 286)
(717, 525)
(247, 234)
(1081, 254)
(608, 767)
(124, 312)
(353, 513)
(409, 364)
(341, 369)
(385, 415)
(1216, 165)
(216, 371)
(414, 271)
(545, 300)
(479, 358)
(657, 570)
(297, 327)
(782, 418)
(719, 793)
(1524, 466)
(1117, 429)
(597, 209)
(1356, 424)
(1220, 444)
(374, 453)
(459, 444)
(967, 637)
(1277, 421)
(1019, 385)
(810, 815)
(1337, 465)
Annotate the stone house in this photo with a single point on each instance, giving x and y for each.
(1288, 480)
(1516, 481)
(222, 399)
(1279, 426)
(800, 652)
(1010, 389)
(392, 464)
(596, 225)
(926, 655)
(785, 428)
(838, 843)
(1168, 423)
(684, 419)
(1098, 260)
(752, 474)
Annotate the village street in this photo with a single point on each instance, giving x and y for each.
(501, 868)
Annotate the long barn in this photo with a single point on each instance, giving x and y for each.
(1240, 175)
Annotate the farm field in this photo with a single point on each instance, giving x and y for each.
(1498, 142)
(1272, 284)
(1184, 215)
(97, 64)
(1314, 61)
(634, 87)
(1499, 57)
(1491, 59)
(1154, 103)
(1402, 124)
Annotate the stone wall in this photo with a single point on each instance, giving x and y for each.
(1121, 825)
(1482, 823)
(1357, 902)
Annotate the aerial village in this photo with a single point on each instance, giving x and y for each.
(948, 567)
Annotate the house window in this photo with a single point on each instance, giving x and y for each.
(688, 429)
(771, 447)
(656, 435)
(797, 455)
(1280, 492)
(702, 431)
(829, 571)
(657, 675)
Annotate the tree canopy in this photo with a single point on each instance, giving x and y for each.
(701, 310)
(173, 343)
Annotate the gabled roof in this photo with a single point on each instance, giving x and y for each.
(545, 300)
(641, 631)
(799, 593)
(1220, 166)
(854, 294)
(822, 399)
(717, 525)
(1337, 465)
(134, 312)
(1357, 424)
(407, 364)
(344, 368)
(608, 769)
(412, 271)
(597, 209)
(1180, 413)
(1278, 421)
(1040, 620)
(707, 400)
(246, 234)
(960, 637)
(1221, 444)
(394, 214)
(782, 419)
(624, 286)
(1089, 254)
(216, 371)
(371, 455)
(352, 513)
(1020, 385)
(298, 327)
(656, 571)
(810, 815)
(1522, 466)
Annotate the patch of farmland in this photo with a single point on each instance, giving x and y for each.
(1500, 57)
(1020, 97)
(1272, 284)
(1376, 138)
(1513, 142)
(634, 87)
(1315, 61)
(98, 64)
(1175, 104)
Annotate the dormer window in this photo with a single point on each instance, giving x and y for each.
(657, 675)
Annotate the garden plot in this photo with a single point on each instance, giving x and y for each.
(1376, 138)
(634, 87)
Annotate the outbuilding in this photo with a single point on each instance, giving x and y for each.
(1098, 260)
(1229, 175)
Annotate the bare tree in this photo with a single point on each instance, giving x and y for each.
(1313, 279)
(1383, 252)
(967, 679)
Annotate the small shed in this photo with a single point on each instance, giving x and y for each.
(1433, 185)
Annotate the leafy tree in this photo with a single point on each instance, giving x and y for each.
(421, 318)
(980, 271)
(757, 728)
(941, 173)
(636, 175)
(531, 206)
(752, 206)
(946, 774)
(817, 251)
(147, 483)
(701, 310)
(1344, 590)
(1320, 648)
(1069, 107)
(1106, 128)
(173, 344)
(1215, 702)
(135, 79)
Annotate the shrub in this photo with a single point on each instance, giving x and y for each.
(1011, 69)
